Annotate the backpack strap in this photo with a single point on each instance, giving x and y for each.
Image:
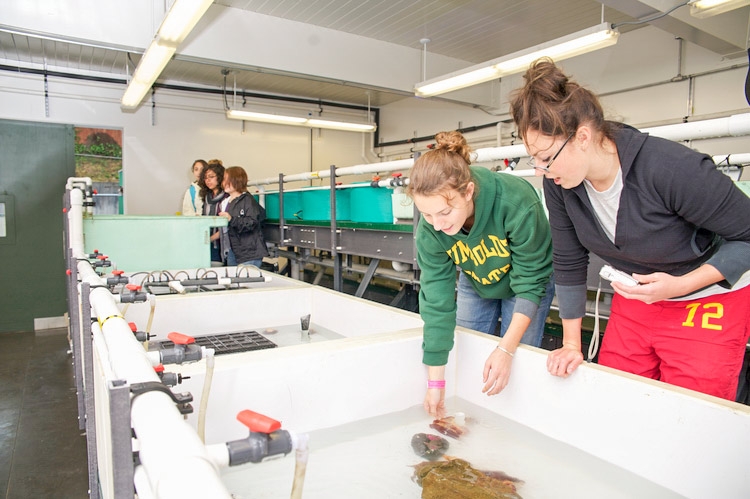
(192, 196)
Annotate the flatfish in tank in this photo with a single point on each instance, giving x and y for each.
(456, 478)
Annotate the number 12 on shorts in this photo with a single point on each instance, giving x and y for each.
(709, 313)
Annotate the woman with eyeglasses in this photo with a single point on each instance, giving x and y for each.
(212, 194)
(492, 226)
(654, 209)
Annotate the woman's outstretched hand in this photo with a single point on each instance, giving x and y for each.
(496, 372)
(563, 361)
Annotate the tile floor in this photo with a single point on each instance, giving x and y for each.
(42, 452)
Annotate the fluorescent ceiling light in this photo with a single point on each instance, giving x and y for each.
(177, 24)
(340, 125)
(265, 118)
(562, 48)
(237, 114)
(181, 19)
(708, 8)
(149, 68)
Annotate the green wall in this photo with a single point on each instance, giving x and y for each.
(36, 160)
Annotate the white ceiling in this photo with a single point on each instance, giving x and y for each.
(468, 30)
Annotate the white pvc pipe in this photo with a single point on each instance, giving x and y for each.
(173, 457)
(732, 159)
(735, 125)
(73, 181)
(732, 126)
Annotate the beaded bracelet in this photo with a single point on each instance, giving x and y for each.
(436, 383)
(504, 350)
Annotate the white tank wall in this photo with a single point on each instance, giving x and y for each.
(267, 306)
(695, 445)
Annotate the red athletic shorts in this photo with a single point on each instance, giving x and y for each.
(697, 344)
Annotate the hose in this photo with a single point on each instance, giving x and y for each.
(204, 395)
(152, 300)
(300, 467)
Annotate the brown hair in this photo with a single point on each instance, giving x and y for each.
(212, 167)
(554, 105)
(237, 178)
(442, 169)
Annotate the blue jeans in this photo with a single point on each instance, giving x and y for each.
(232, 260)
(482, 314)
(254, 263)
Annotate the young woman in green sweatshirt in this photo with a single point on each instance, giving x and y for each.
(492, 227)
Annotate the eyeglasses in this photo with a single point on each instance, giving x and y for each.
(214, 176)
(545, 169)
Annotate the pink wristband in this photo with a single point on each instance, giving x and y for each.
(436, 383)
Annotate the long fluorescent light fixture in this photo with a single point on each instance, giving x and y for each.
(177, 24)
(277, 119)
(587, 40)
(708, 8)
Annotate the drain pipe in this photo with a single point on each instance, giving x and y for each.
(170, 449)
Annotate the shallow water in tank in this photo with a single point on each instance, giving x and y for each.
(373, 458)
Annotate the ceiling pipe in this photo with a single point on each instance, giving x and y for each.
(732, 126)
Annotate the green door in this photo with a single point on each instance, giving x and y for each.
(36, 160)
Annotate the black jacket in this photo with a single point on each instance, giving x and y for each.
(245, 228)
(677, 211)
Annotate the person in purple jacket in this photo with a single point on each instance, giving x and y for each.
(654, 209)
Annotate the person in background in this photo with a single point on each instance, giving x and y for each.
(493, 227)
(246, 217)
(654, 209)
(192, 204)
(212, 194)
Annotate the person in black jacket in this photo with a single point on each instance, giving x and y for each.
(245, 218)
(653, 209)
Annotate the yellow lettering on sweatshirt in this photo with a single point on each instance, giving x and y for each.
(489, 247)
(459, 252)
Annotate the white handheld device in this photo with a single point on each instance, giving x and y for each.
(615, 275)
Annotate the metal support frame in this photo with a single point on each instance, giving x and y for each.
(338, 278)
(121, 432)
(282, 234)
(90, 417)
(367, 277)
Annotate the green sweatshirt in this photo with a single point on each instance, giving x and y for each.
(507, 253)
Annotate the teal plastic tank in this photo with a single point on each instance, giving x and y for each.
(316, 204)
(147, 243)
(371, 204)
(292, 205)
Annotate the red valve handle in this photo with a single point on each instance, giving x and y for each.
(102, 257)
(397, 174)
(133, 287)
(258, 422)
(118, 272)
(180, 339)
(132, 326)
(159, 368)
